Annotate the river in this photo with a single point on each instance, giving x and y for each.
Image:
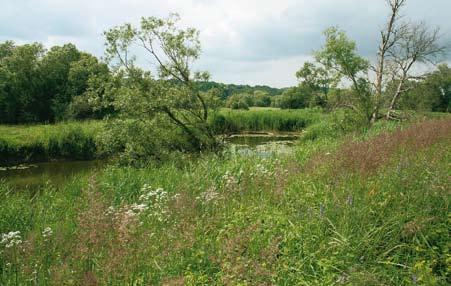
(58, 172)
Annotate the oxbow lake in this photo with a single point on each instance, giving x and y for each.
(59, 172)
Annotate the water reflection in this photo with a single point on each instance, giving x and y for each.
(35, 175)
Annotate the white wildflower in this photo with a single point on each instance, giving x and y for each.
(208, 196)
(229, 180)
(47, 232)
(11, 239)
(262, 169)
(139, 208)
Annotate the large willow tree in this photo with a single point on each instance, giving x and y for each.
(167, 91)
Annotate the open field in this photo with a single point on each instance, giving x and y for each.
(366, 209)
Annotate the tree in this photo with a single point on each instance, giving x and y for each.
(318, 79)
(87, 81)
(261, 98)
(37, 85)
(402, 46)
(439, 84)
(240, 101)
(20, 85)
(173, 92)
(416, 44)
(54, 69)
(340, 55)
(292, 98)
(430, 93)
(389, 37)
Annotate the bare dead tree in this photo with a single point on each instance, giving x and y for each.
(416, 44)
(389, 37)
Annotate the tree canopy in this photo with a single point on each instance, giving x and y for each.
(37, 85)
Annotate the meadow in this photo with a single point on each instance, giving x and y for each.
(369, 207)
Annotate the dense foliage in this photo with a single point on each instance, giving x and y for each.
(432, 93)
(227, 90)
(37, 85)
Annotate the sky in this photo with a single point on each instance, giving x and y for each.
(252, 42)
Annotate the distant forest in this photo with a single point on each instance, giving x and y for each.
(227, 90)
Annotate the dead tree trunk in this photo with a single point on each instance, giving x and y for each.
(417, 44)
(388, 39)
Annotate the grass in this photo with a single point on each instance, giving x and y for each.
(264, 119)
(31, 143)
(319, 217)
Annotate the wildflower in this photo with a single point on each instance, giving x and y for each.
(110, 211)
(262, 170)
(349, 200)
(321, 210)
(139, 208)
(154, 202)
(47, 232)
(229, 180)
(208, 196)
(11, 239)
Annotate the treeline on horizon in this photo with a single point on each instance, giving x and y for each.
(50, 85)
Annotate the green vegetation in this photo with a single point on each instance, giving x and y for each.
(227, 90)
(35, 143)
(39, 85)
(364, 210)
(90, 139)
(264, 119)
(362, 200)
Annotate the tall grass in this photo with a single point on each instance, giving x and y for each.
(31, 143)
(291, 220)
(233, 121)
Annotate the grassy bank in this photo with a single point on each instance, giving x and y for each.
(31, 143)
(367, 209)
(264, 119)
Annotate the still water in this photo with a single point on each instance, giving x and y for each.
(56, 173)
(34, 175)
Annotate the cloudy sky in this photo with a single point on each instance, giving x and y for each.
(243, 41)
